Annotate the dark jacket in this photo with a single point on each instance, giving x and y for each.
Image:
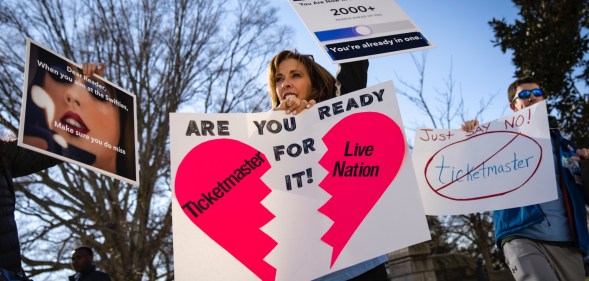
(512, 220)
(15, 162)
(352, 76)
(91, 274)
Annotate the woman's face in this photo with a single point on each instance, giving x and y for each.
(86, 118)
(292, 78)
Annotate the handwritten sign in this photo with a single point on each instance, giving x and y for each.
(350, 30)
(83, 120)
(269, 196)
(503, 164)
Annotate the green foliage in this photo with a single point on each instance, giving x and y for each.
(549, 42)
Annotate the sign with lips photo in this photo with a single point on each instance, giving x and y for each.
(84, 120)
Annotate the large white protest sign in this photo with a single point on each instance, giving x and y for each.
(270, 196)
(503, 164)
(84, 120)
(350, 30)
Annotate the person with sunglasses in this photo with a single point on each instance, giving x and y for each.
(545, 241)
(296, 82)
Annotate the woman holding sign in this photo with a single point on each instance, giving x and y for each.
(297, 82)
(73, 114)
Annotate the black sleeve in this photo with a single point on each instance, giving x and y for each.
(352, 76)
(24, 162)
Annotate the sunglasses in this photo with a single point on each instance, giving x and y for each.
(64, 77)
(526, 94)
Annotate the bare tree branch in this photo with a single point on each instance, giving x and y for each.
(173, 55)
(475, 230)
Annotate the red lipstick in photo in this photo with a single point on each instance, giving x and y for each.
(74, 122)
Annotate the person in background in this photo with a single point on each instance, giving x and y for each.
(297, 82)
(545, 241)
(82, 263)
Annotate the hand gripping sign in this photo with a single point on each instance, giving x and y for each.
(269, 196)
(503, 164)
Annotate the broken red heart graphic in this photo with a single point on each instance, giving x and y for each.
(219, 188)
(364, 154)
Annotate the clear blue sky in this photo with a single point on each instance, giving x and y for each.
(462, 36)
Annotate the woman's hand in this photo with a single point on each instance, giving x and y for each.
(470, 125)
(294, 105)
(93, 68)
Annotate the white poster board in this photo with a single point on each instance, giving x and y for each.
(350, 30)
(270, 196)
(67, 115)
(502, 164)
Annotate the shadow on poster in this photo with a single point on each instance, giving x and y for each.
(83, 120)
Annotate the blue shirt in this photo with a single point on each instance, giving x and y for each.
(354, 270)
(510, 221)
(555, 225)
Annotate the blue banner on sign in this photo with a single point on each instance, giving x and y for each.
(377, 45)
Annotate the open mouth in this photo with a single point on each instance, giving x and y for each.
(74, 123)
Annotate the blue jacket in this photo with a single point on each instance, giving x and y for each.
(512, 220)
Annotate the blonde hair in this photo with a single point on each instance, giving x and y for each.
(322, 82)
